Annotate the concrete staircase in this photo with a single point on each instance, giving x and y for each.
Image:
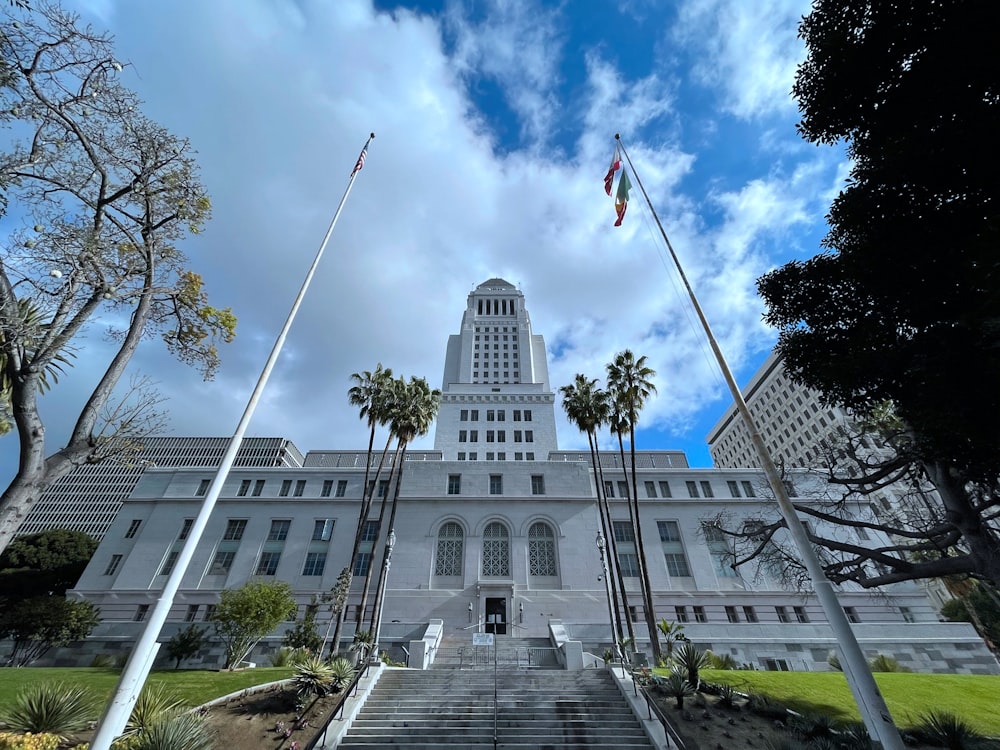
(537, 710)
(519, 653)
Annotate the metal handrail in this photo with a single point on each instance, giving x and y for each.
(351, 691)
(652, 707)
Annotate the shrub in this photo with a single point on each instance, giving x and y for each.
(52, 708)
(855, 736)
(721, 661)
(813, 726)
(342, 671)
(883, 663)
(28, 741)
(690, 659)
(313, 677)
(186, 731)
(153, 705)
(676, 687)
(947, 730)
(185, 644)
(102, 661)
(727, 695)
(288, 657)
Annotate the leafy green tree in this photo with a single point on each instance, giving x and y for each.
(630, 385)
(304, 634)
(37, 625)
(673, 632)
(247, 614)
(49, 561)
(109, 193)
(185, 643)
(901, 307)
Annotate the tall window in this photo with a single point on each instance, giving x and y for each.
(628, 561)
(720, 550)
(537, 484)
(133, 528)
(673, 549)
(113, 565)
(706, 489)
(496, 484)
(496, 551)
(650, 489)
(692, 488)
(300, 487)
(450, 547)
(454, 484)
(279, 531)
(203, 487)
(235, 529)
(315, 563)
(268, 564)
(541, 550)
(341, 488)
(323, 529)
(244, 488)
(327, 488)
(258, 488)
(286, 487)
(665, 489)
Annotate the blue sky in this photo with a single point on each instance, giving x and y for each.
(495, 123)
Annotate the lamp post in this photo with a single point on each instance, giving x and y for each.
(390, 542)
(601, 546)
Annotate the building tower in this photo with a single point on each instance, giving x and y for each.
(496, 402)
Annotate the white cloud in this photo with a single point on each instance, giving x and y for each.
(746, 50)
(278, 101)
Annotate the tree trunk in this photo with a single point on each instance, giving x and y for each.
(983, 544)
(378, 533)
(376, 620)
(646, 588)
(616, 625)
(626, 614)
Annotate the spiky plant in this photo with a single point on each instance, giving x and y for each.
(51, 707)
(690, 659)
(677, 687)
(855, 736)
(727, 695)
(186, 731)
(946, 730)
(813, 726)
(342, 672)
(721, 661)
(154, 704)
(883, 663)
(313, 676)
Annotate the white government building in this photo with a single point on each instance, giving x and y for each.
(494, 525)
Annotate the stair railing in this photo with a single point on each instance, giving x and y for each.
(495, 649)
(338, 711)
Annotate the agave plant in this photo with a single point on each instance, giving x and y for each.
(944, 729)
(153, 705)
(676, 687)
(690, 659)
(313, 677)
(814, 726)
(51, 707)
(855, 736)
(721, 661)
(186, 731)
(883, 663)
(342, 672)
(363, 643)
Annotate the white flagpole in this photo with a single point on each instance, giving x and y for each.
(133, 677)
(859, 676)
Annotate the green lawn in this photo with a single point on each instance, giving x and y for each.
(975, 698)
(194, 686)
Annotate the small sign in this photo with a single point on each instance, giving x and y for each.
(482, 639)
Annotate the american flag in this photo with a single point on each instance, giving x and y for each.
(361, 161)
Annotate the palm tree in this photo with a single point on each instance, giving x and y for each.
(413, 416)
(393, 399)
(587, 406)
(372, 395)
(630, 384)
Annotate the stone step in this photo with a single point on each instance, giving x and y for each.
(478, 743)
(423, 722)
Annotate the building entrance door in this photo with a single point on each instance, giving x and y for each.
(496, 615)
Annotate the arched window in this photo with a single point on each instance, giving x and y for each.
(541, 550)
(449, 550)
(496, 551)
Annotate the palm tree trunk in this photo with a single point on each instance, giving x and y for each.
(378, 533)
(639, 555)
(616, 624)
(654, 639)
(384, 571)
(626, 612)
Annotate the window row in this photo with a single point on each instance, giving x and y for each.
(454, 486)
(501, 456)
(288, 488)
(494, 415)
(496, 436)
(661, 488)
